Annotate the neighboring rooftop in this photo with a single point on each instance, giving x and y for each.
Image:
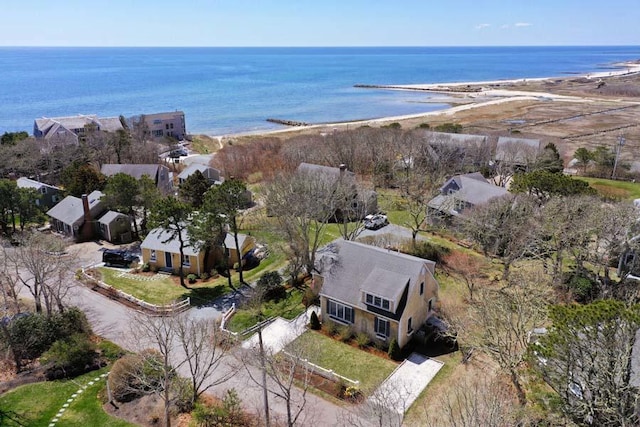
(31, 183)
(327, 171)
(136, 171)
(47, 127)
(70, 209)
(160, 239)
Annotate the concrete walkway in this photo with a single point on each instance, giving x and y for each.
(398, 392)
(279, 333)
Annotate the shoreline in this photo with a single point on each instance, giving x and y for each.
(483, 96)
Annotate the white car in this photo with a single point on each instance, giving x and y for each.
(374, 222)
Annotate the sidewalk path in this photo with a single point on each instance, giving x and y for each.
(406, 382)
(281, 332)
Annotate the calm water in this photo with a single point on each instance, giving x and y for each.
(225, 90)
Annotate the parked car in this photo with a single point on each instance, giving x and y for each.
(178, 152)
(118, 257)
(375, 222)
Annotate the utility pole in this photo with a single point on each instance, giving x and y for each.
(621, 142)
(264, 379)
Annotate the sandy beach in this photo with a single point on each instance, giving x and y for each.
(477, 94)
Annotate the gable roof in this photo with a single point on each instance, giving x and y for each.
(456, 139)
(516, 149)
(230, 242)
(159, 239)
(207, 171)
(475, 189)
(31, 183)
(70, 209)
(136, 171)
(326, 171)
(50, 126)
(349, 267)
(110, 216)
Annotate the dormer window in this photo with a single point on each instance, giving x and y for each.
(377, 301)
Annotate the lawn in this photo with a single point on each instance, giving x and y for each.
(204, 144)
(287, 308)
(162, 289)
(40, 402)
(345, 360)
(614, 189)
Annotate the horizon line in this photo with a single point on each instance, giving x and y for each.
(311, 46)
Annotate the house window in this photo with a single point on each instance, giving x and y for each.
(152, 257)
(382, 327)
(171, 125)
(158, 133)
(166, 126)
(186, 260)
(43, 190)
(379, 302)
(409, 326)
(421, 288)
(431, 305)
(342, 313)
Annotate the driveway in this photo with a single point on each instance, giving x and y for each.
(279, 333)
(396, 232)
(406, 382)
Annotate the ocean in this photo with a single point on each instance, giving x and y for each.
(233, 90)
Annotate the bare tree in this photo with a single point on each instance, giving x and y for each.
(201, 344)
(468, 266)
(42, 265)
(505, 318)
(289, 376)
(475, 402)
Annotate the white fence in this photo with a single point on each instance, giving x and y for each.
(323, 372)
(175, 307)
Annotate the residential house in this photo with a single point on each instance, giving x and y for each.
(246, 244)
(74, 128)
(115, 227)
(163, 253)
(469, 150)
(517, 151)
(462, 192)
(163, 126)
(160, 174)
(361, 203)
(49, 195)
(76, 217)
(212, 174)
(382, 293)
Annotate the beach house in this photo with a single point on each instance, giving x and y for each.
(382, 293)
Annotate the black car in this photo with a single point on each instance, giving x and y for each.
(118, 257)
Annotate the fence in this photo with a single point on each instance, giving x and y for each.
(160, 310)
(323, 372)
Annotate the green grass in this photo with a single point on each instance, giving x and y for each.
(162, 289)
(204, 145)
(40, 402)
(288, 308)
(614, 189)
(345, 360)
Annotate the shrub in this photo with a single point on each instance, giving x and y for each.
(394, 350)
(110, 351)
(204, 276)
(449, 128)
(270, 284)
(345, 332)
(182, 394)
(228, 414)
(192, 278)
(394, 125)
(314, 322)
(146, 267)
(310, 298)
(134, 375)
(430, 251)
(424, 126)
(330, 327)
(70, 356)
(362, 339)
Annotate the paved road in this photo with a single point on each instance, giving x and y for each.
(113, 321)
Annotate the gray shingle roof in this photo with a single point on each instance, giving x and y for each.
(457, 139)
(327, 171)
(31, 183)
(136, 171)
(158, 239)
(110, 216)
(70, 209)
(207, 171)
(350, 267)
(517, 150)
(474, 189)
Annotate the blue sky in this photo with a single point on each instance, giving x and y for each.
(319, 22)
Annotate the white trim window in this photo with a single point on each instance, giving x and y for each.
(409, 326)
(382, 327)
(152, 256)
(340, 312)
(186, 260)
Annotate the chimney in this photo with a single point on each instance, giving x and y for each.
(343, 168)
(87, 226)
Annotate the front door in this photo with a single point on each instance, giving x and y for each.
(167, 260)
